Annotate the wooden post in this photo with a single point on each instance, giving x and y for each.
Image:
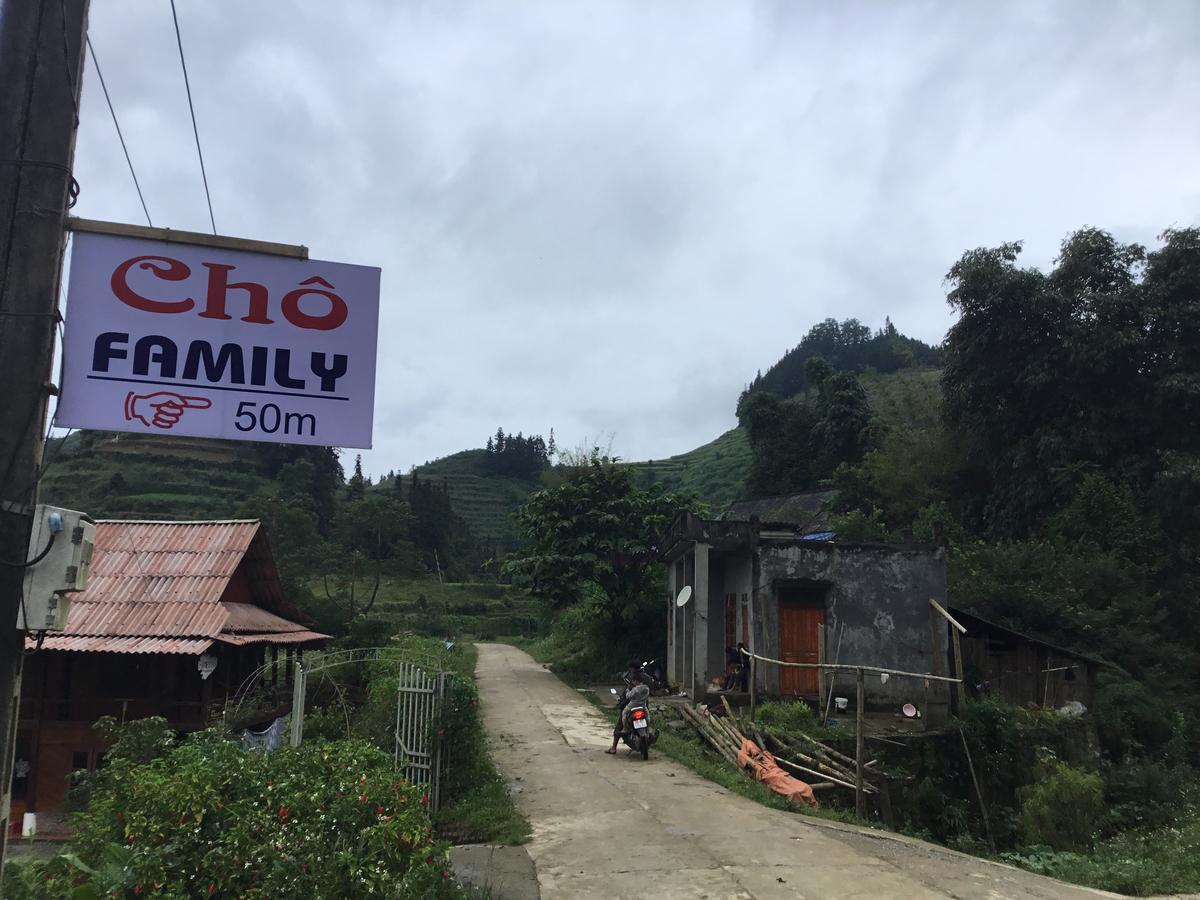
(860, 800)
(41, 71)
(960, 688)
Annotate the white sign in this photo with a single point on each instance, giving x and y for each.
(168, 338)
(206, 665)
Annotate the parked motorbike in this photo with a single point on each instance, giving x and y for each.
(633, 706)
(655, 676)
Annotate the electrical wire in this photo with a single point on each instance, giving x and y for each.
(192, 109)
(67, 61)
(30, 563)
(117, 125)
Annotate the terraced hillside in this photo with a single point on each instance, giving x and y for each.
(487, 502)
(715, 471)
(129, 477)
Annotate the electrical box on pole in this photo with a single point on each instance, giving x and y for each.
(62, 543)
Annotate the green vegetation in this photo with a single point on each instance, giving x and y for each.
(1142, 862)
(849, 347)
(1063, 806)
(482, 610)
(484, 500)
(590, 544)
(360, 704)
(194, 821)
(715, 472)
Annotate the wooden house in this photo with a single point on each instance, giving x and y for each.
(176, 616)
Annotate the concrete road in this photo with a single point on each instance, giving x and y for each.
(610, 827)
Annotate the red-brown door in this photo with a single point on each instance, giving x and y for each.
(800, 641)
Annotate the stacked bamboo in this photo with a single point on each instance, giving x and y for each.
(818, 759)
(721, 736)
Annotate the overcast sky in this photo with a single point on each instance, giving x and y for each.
(605, 217)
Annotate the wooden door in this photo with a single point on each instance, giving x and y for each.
(800, 641)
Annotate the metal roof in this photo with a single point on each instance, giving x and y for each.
(156, 587)
(180, 646)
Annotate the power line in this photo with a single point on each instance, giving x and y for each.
(113, 112)
(192, 109)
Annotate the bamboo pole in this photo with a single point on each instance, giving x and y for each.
(987, 825)
(837, 655)
(848, 668)
(827, 750)
(788, 764)
(860, 800)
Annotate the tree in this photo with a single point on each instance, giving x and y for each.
(597, 532)
(1094, 367)
(372, 535)
(356, 488)
(798, 442)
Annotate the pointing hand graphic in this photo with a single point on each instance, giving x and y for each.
(162, 409)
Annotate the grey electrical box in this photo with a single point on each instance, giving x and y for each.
(50, 582)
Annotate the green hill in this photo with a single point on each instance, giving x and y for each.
(129, 476)
(909, 398)
(133, 476)
(486, 502)
(716, 471)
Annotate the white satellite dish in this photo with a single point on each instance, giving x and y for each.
(685, 594)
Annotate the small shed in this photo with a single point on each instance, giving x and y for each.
(1023, 670)
(176, 615)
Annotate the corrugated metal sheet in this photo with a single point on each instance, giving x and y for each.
(156, 587)
(247, 619)
(85, 644)
(292, 637)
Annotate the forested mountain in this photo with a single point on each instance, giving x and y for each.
(848, 346)
(811, 413)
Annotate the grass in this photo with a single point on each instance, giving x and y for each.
(486, 814)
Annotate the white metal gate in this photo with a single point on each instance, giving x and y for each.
(419, 752)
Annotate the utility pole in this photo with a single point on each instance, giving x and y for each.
(41, 71)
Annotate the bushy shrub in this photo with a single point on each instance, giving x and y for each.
(208, 819)
(787, 716)
(1063, 807)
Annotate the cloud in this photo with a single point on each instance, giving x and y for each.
(606, 217)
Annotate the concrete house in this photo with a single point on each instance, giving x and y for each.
(790, 597)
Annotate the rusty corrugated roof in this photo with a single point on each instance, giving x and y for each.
(291, 637)
(156, 587)
(89, 644)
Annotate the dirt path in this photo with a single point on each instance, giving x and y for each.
(611, 827)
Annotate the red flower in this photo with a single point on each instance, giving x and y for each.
(362, 798)
(182, 819)
(445, 873)
(212, 888)
(284, 812)
(137, 888)
(429, 860)
(379, 810)
(425, 800)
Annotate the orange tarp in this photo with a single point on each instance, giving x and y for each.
(766, 770)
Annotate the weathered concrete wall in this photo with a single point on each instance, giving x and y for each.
(881, 597)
